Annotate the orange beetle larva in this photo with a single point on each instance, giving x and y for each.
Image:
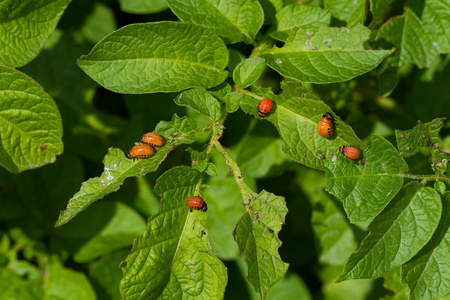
(141, 151)
(350, 152)
(325, 126)
(153, 139)
(197, 203)
(265, 107)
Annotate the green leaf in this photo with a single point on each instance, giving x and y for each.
(99, 23)
(440, 187)
(233, 20)
(257, 237)
(431, 84)
(397, 234)
(220, 91)
(270, 8)
(62, 283)
(232, 100)
(248, 71)
(173, 258)
(105, 227)
(142, 6)
(381, 175)
(296, 115)
(62, 79)
(211, 169)
(424, 135)
(198, 159)
(349, 11)
(144, 200)
(87, 130)
(131, 59)
(14, 286)
(419, 35)
(290, 287)
(118, 168)
(335, 237)
(259, 154)
(201, 101)
(26, 269)
(393, 282)
(362, 289)
(25, 27)
(428, 273)
(379, 8)
(225, 208)
(325, 55)
(105, 274)
(30, 123)
(301, 15)
(418, 39)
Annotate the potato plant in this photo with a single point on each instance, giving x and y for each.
(288, 215)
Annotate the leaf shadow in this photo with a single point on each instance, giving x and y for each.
(236, 287)
(73, 236)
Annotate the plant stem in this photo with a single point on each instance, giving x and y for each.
(265, 43)
(217, 129)
(425, 177)
(245, 190)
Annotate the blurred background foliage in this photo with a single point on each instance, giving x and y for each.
(95, 119)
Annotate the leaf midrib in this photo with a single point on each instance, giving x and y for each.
(86, 58)
(382, 238)
(229, 20)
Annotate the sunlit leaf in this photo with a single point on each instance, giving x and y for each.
(131, 59)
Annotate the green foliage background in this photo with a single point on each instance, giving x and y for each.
(288, 216)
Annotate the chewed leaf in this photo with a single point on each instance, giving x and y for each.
(397, 234)
(30, 123)
(422, 135)
(257, 237)
(296, 115)
(366, 190)
(173, 258)
(118, 167)
(131, 59)
(325, 55)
